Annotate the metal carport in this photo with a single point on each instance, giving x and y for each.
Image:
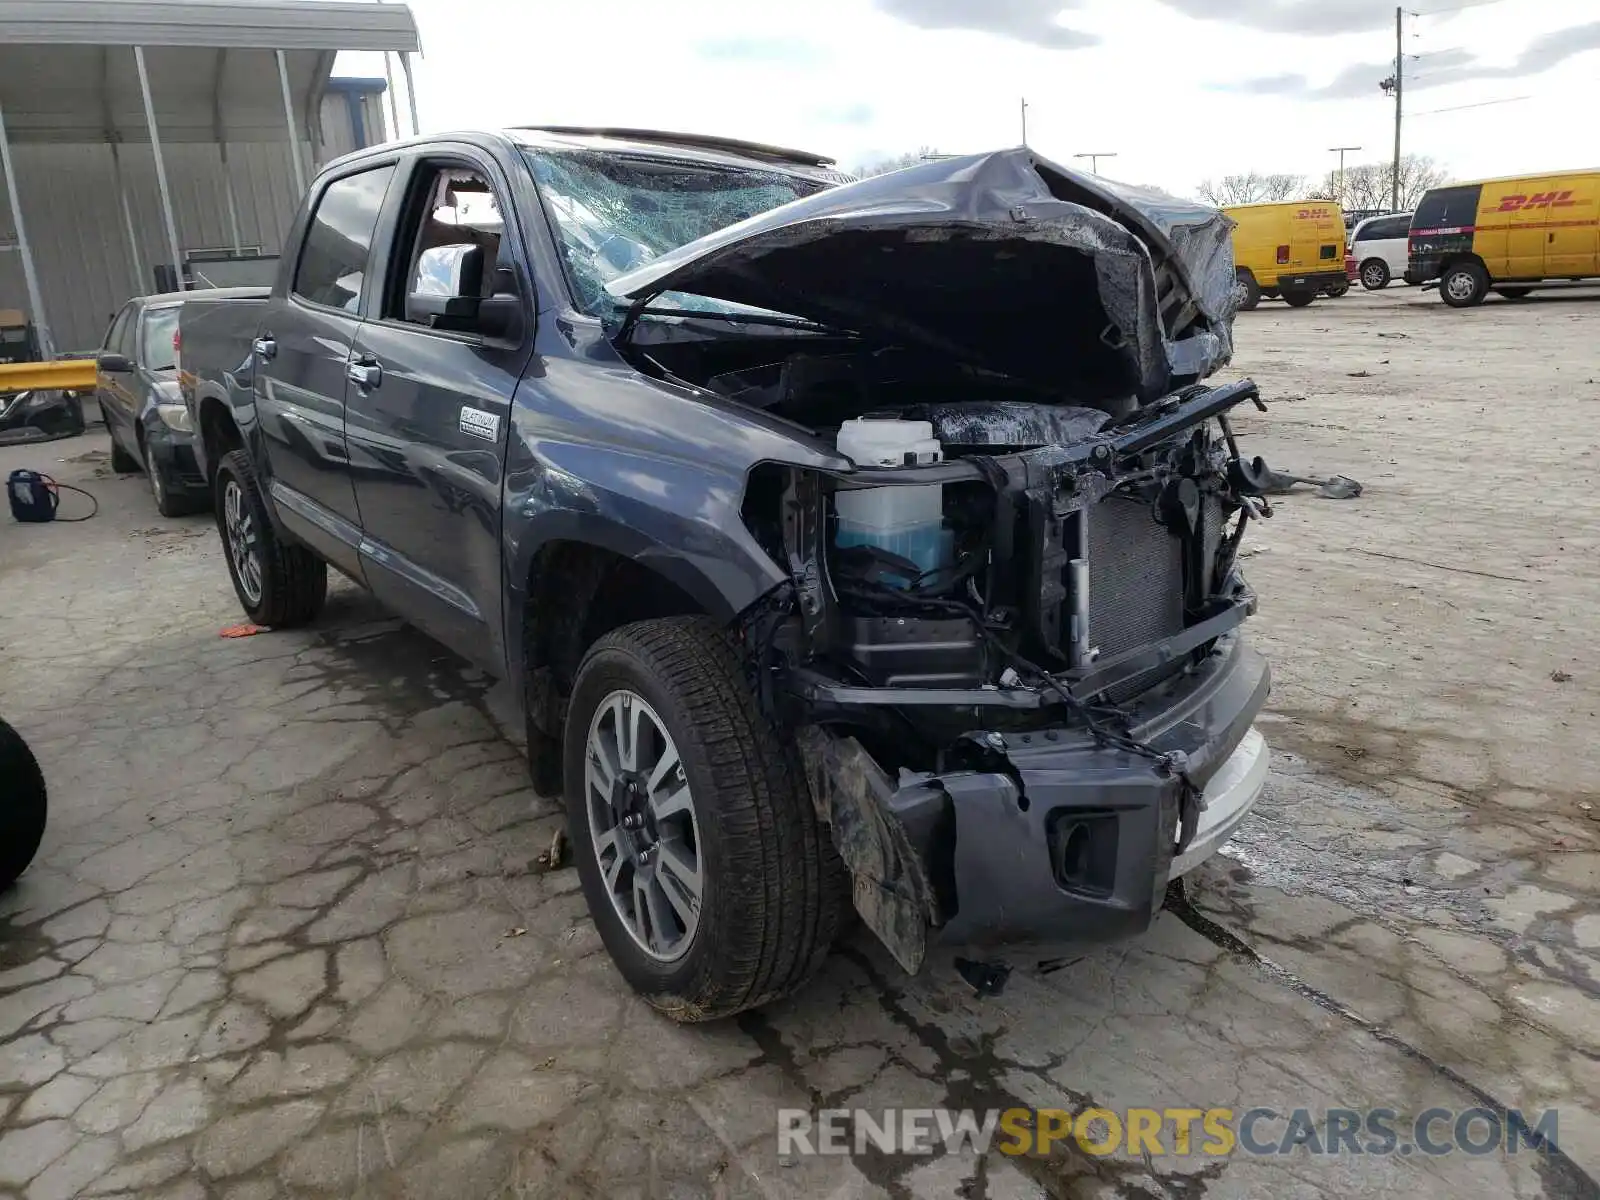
(115, 75)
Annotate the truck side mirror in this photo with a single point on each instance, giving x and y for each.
(446, 287)
(447, 293)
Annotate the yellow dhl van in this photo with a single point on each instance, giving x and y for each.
(1506, 235)
(1288, 248)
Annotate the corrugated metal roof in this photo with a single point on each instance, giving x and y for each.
(255, 24)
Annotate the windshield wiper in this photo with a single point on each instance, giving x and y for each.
(775, 319)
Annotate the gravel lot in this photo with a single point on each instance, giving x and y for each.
(290, 931)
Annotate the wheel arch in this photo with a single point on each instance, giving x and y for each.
(575, 590)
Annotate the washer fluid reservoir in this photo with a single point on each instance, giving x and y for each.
(907, 521)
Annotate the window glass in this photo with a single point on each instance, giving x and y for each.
(1446, 208)
(119, 326)
(333, 262)
(616, 212)
(155, 338)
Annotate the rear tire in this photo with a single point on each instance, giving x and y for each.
(1250, 291)
(1375, 275)
(278, 584)
(1463, 284)
(24, 803)
(1298, 299)
(122, 462)
(728, 792)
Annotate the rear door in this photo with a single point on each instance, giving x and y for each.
(1572, 238)
(428, 421)
(302, 354)
(1316, 243)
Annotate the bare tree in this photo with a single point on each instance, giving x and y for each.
(1251, 188)
(1366, 188)
(882, 166)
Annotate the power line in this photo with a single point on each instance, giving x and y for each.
(1434, 12)
(1481, 104)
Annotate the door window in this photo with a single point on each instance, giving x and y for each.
(333, 261)
(448, 245)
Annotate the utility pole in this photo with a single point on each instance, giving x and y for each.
(1024, 120)
(1094, 159)
(1338, 192)
(1399, 104)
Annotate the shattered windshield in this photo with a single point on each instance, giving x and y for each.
(616, 212)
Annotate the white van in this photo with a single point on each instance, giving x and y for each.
(1380, 245)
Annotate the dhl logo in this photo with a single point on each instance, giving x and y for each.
(1519, 202)
(1313, 214)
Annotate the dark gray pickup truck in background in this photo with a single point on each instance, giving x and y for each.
(577, 403)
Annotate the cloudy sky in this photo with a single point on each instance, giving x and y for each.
(1179, 89)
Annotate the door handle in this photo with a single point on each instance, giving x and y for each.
(265, 346)
(364, 372)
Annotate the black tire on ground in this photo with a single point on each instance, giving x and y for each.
(1514, 293)
(168, 503)
(773, 891)
(1334, 291)
(1463, 284)
(1375, 274)
(290, 583)
(1298, 299)
(122, 462)
(23, 805)
(1251, 291)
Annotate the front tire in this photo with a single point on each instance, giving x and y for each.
(278, 584)
(713, 882)
(1464, 284)
(24, 803)
(1374, 274)
(1298, 299)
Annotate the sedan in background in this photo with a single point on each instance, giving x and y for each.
(136, 386)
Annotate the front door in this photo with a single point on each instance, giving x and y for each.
(113, 390)
(429, 411)
(302, 354)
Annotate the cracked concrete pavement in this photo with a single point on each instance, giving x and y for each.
(290, 931)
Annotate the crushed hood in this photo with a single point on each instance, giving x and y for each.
(1004, 260)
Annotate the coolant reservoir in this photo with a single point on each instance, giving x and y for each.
(906, 521)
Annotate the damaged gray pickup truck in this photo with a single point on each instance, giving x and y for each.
(873, 543)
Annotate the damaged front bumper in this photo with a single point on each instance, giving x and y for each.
(1047, 836)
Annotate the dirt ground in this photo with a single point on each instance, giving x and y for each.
(291, 932)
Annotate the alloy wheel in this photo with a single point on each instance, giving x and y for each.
(242, 547)
(1372, 278)
(1460, 285)
(643, 825)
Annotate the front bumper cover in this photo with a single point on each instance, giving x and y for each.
(1056, 839)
